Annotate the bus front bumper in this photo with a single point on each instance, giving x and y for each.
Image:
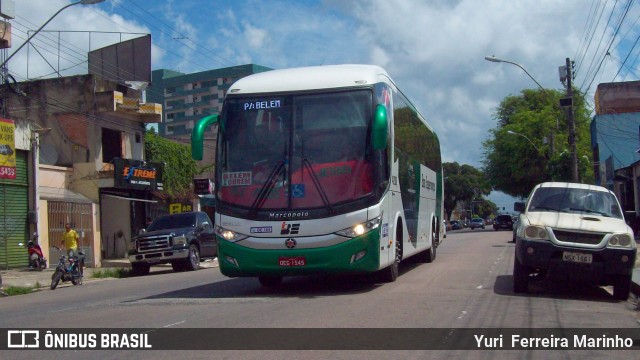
(357, 255)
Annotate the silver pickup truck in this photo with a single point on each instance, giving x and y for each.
(179, 239)
(574, 233)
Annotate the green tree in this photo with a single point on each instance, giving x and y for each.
(462, 183)
(530, 143)
(484, 208)
(179, 168)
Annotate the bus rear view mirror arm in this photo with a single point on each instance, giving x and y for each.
(197, 135)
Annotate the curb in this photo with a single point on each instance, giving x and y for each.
(28, 278)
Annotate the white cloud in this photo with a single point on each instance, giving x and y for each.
(254, 36)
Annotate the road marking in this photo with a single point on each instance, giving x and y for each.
(178, 323)
(463, 313)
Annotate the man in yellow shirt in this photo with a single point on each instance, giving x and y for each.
(70, 240)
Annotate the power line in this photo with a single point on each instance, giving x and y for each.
(629, 3)
(226, 61)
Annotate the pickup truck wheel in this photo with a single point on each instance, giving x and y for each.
(140, 269)
(193, 260)
(520, 277)
(621, 287)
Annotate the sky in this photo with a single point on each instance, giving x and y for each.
(434, 49)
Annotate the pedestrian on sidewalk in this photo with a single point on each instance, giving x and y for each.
(70, 243)
(69, 240)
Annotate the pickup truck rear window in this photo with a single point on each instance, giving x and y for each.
(175, 221)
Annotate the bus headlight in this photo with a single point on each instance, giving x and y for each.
(229, 235)
(362, 228)
(621, 240)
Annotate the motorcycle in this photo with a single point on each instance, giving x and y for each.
(37, 261)
(72, 272)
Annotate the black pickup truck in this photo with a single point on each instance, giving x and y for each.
(180, 239)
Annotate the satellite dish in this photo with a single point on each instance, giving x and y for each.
(48, 154)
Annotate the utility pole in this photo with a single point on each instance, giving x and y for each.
(571, 125)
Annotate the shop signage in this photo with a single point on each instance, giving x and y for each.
(137, 174)
(180, 208)
(7, 149)
(203, 186)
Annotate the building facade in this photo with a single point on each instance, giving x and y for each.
(70, 134)
(615, 141)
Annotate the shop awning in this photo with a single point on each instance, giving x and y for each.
(57, 194)
(129, 198)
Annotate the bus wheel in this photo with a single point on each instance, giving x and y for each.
(270, 281)
(431, 254)
(390, 273)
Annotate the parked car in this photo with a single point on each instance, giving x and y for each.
(477, 223)
(181, 239)
(503, 222)
(456, 225)
(574, 233)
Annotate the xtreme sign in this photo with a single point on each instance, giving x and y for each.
(137, 174)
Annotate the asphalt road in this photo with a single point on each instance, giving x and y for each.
(468, 286)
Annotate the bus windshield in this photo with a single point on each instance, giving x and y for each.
(296, 151)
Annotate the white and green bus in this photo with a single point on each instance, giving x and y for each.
(323, 170)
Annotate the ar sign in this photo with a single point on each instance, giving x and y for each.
(180, 208)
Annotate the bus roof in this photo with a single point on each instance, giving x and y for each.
(308, 78)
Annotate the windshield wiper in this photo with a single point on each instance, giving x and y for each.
(547, 208)
(267, 187)
(589, 211)
(316, 182)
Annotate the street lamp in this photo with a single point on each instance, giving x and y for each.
(496, 60)
(572, 142)
(83, 2)
(529, 140)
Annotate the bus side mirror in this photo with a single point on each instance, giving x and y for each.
(380, 128)
(519, 207)
(197, 135)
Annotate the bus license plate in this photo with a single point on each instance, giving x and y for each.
(577, 257)
(292, 261)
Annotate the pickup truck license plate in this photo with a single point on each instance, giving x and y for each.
(292, 261)
(577, 257)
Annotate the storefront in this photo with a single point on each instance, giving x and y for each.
(14, 209)
(126, 205)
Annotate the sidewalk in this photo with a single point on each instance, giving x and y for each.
(31, 278)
